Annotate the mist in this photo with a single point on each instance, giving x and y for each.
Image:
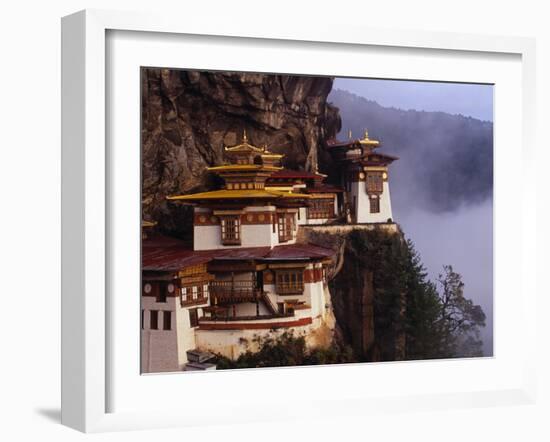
(463, 239)
(442, 185)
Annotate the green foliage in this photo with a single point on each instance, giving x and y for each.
(425, 337)
(460, 319)
(436, 323)
(440, 323)
(286, 349)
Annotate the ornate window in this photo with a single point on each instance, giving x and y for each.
(231, 230)
(285, 227)
(321, 208)
(194, 294)
(374, 182)
(290, 282)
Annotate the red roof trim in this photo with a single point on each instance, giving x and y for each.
(324, 189)
(165, 254)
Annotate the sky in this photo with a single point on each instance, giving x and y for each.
(473, 100)
(462, 237)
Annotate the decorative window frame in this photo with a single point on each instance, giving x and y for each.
(374, 204)
(374, 182)
(285, 226)
(284, 288)
(87, 361)
(237, 230)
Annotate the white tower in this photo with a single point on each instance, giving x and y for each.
(365, 178)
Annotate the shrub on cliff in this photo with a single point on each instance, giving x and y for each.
(286, 350)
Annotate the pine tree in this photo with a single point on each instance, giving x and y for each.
(425, 337)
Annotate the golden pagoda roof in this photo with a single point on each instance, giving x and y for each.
(245, 146)
(145, 223)
(243, 168)
(237, 194)
(280, 188)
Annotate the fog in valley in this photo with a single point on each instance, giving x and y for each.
(442, 185)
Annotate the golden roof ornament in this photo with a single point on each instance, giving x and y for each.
(245, 148)
(367, 141)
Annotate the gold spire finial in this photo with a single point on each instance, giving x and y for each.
(366, 141)
(349, 134)
(245, 138)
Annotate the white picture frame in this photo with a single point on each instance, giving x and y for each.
(86, 315)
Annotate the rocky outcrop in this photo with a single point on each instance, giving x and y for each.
(366, 293)
(188, 117)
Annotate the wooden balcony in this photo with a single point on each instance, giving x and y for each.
(224, 314)
(228, 292)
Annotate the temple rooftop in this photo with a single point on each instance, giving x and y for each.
(243, 168)
(163, 253)
(237, 194)
(365, 141)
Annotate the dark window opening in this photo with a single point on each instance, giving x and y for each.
(167, 321)
(154, 319)
(163, 293)
(374, 205)
(194, 317)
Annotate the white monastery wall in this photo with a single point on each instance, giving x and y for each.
(316, 221)
(186, 334)
(303, 216)
(248, 309)
(252, 235)
(315, 293)
(159, 349)
(363, 214)
(233, 343)
(209, 237)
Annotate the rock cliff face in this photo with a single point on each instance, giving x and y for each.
(365, 288)
(188, 116)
